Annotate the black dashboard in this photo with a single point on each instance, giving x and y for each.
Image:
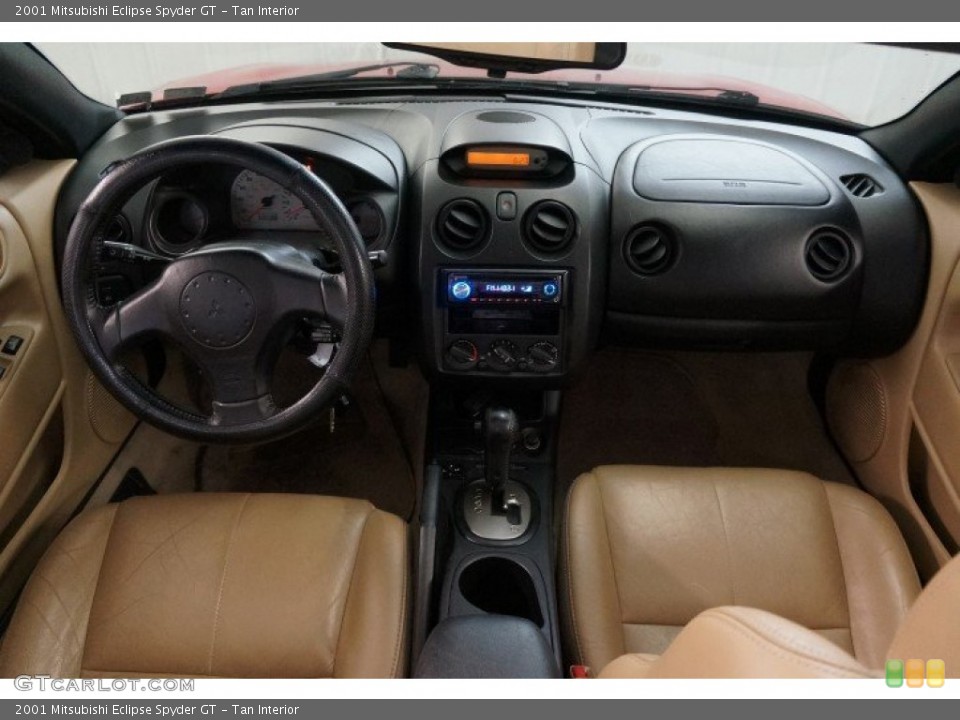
(516, 233)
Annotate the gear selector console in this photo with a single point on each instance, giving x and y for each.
(498, 507)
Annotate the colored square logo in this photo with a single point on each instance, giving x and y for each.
(914, 673)
(936, 672)
(894, 673)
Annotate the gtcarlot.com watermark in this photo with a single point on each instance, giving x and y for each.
(45, 682)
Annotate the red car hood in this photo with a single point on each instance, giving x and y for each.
(220, 80)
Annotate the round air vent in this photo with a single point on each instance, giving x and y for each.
(549, 226)
(829, 255)
(463, 224)
(649, 249)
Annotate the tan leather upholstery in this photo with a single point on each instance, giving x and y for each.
(737, 642)
(930, 630)
(647, 549)
(218, 585)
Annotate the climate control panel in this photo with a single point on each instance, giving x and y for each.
(502, 355)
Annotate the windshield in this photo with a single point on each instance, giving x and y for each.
(864, 84)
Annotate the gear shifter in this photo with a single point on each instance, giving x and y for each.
(501, 430)
(498, 507)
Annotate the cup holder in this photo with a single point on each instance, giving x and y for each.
(501, 586)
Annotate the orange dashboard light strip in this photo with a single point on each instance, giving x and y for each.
(484, 157)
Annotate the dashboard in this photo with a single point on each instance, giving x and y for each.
(516, 234)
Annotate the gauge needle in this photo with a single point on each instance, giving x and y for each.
(264, 203)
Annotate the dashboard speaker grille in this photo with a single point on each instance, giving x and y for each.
(549, 226)
(829, 255)
(462, 224)
(861, 186)
(505, 117)
(649, 249)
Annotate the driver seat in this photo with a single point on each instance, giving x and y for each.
(218, 585)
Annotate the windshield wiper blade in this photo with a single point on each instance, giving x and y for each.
(724, 95)
(193, 95)
(410, 71)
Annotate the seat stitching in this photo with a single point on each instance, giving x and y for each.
(346, 601)
(96, 586)
(613, 567)
(843, 567)
(223, 582)
(726, 542)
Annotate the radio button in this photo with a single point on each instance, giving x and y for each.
(461, 290)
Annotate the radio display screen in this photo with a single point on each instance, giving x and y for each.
(466, 288)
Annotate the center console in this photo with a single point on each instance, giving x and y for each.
(487, 525)
(510, 265)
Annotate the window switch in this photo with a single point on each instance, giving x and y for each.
(12, 345)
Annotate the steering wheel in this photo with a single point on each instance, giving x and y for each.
(226, 304)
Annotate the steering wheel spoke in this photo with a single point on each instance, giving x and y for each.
(317, 293)
(239, 384)
(142, 313)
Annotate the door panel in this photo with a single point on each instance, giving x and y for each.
(909, 402)
(31, 377)
(50, 451)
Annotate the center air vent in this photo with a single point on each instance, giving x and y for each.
(463, 224)
(549, 226)
(861, 186)
(649, 249)
(829, 255)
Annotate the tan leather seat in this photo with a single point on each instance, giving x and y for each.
(218, 585)
(648, 549)
(746, 643)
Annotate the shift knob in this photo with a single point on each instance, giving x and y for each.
(501, 430)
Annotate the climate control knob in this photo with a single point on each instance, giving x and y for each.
(503, 356)
(462, 355)
(543, 356)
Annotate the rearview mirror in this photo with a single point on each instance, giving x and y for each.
(499, 58)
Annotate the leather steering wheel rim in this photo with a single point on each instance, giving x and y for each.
(246, 286)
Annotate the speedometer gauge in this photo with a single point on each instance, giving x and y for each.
(258, 203)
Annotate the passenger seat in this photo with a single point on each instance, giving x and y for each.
(647, 550)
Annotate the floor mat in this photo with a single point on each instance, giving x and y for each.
(694, 409)
(363, 457)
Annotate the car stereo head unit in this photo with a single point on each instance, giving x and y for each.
(466, 288)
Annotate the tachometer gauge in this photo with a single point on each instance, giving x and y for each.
(258, 203)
